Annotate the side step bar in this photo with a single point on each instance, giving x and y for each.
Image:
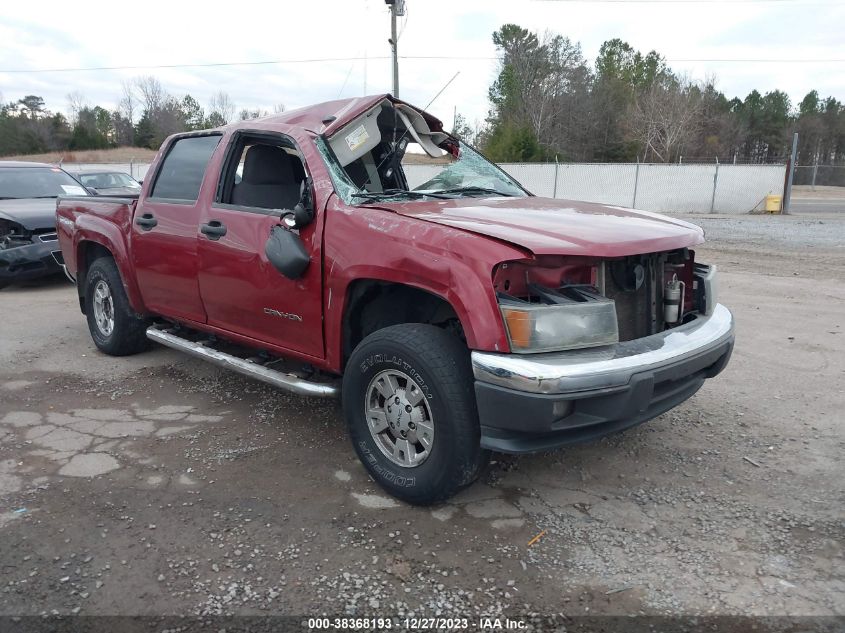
(278, 379)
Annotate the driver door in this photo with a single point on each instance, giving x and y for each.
(241, 290)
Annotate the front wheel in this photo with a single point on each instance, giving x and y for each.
(409, 404)
(114, 326)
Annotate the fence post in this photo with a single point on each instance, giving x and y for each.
(815, 171)
(790, 174)
(636, 183)
(132, 167)
(715, 182)
(557, 167)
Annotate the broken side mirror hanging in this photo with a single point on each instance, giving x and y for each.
(285, 250)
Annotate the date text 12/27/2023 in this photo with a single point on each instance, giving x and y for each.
(424, 624)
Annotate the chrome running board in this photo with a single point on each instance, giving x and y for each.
(279, 379)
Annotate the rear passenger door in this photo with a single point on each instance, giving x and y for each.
(241, 290)
(164, 230)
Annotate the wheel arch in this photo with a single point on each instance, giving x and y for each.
(372, 304)
(88, 250)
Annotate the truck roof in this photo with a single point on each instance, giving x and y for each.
(327, 117)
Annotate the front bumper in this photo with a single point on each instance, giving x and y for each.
(32, 261)
(544, 401)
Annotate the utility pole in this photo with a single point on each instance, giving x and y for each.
(790, 174)
(397, 9)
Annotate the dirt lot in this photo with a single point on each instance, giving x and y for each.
(160, 485)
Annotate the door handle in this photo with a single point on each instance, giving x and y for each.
(146, 221)
(214, 229)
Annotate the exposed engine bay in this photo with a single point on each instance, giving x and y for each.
(649, 293)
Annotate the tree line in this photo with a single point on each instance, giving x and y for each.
(547, 102)
(145, 115)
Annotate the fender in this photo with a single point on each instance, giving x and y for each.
(112, 234)
(452, 264)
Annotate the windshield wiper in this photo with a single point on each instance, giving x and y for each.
(41, 197)
(475, 190)
(393, 193)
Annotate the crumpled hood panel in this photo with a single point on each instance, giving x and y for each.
(548, 226)
(31, 213)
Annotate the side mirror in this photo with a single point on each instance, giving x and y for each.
(286, 252)
(303, 212)
(92, 191)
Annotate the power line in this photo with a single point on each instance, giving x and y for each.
(757, 60)
(207, 65)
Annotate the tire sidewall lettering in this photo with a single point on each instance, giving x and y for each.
(397, 361)
(386, 473)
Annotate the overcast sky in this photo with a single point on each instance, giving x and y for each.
(91, 33)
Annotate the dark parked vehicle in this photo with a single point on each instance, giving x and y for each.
(29, 247)
(109, 183)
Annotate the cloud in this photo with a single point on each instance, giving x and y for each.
(55, 34)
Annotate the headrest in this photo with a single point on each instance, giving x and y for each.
(267, 165)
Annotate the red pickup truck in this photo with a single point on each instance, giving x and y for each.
(355, 249)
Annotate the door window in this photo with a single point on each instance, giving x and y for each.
(182, 171)
(262, 174)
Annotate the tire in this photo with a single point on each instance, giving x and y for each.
(438, 382)
(127, 332)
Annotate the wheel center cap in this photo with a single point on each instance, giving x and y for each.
(398, 412)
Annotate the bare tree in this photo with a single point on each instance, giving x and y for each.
(76, 102)
(127, 104)
(246, 115)
(665, 116)
(152, 93)
(278, 108)
(221, 108)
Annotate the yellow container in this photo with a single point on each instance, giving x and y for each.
(773, 204)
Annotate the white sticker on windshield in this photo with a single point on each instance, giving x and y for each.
(357, 138)
(73, 190)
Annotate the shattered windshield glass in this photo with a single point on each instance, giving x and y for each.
(390, 154)
(470, 174)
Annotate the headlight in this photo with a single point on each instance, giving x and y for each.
(571, 325)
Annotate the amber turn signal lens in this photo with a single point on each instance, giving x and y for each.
(519, 327)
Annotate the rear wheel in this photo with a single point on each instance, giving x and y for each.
(114, 326)
(409, 404)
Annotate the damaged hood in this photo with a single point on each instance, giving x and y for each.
(30, 213)
(548, 226)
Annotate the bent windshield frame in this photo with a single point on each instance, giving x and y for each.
(394, 166)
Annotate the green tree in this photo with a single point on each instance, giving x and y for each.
(32, 106)
(510, 143)
(192, 113)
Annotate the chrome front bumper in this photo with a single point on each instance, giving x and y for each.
(604, 367)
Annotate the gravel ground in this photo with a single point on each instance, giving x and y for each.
(158, 485)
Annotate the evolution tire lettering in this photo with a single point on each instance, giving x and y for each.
(406, 367)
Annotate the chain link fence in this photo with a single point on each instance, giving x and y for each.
(819, 175)
(664, 188)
